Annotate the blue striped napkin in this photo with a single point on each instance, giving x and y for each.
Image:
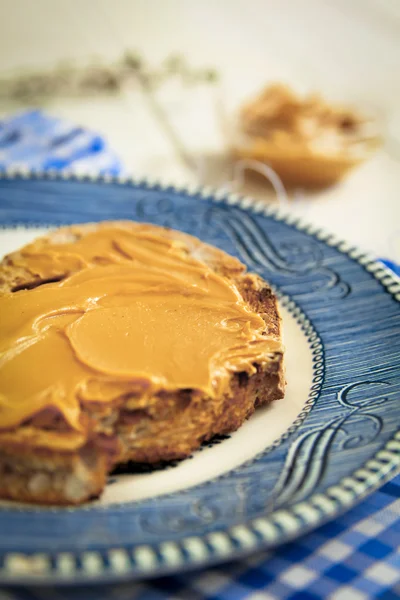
(36, 141)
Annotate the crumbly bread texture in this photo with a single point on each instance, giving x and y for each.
(63, 468)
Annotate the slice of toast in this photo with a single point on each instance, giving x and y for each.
(44, 459)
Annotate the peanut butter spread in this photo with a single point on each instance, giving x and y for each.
(132, 312)
(305, 140)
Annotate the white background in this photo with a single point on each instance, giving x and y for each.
(349, 50)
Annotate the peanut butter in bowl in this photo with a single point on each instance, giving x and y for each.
(305, 140)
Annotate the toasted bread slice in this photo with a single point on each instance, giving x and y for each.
(44, 460)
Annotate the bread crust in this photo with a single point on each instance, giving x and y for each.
(167, 426)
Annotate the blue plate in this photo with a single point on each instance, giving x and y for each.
(263, 485)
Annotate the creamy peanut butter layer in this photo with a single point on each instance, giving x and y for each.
(122, 312)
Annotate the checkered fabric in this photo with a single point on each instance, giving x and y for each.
(35, 141)
(355, 557)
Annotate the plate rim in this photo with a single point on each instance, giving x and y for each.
(232, 542)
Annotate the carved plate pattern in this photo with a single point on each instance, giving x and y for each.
(344, 444)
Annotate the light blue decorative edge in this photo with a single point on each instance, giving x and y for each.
(278, 527)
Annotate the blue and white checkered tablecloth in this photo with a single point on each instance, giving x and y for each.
(355, 557)
(36, 141)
